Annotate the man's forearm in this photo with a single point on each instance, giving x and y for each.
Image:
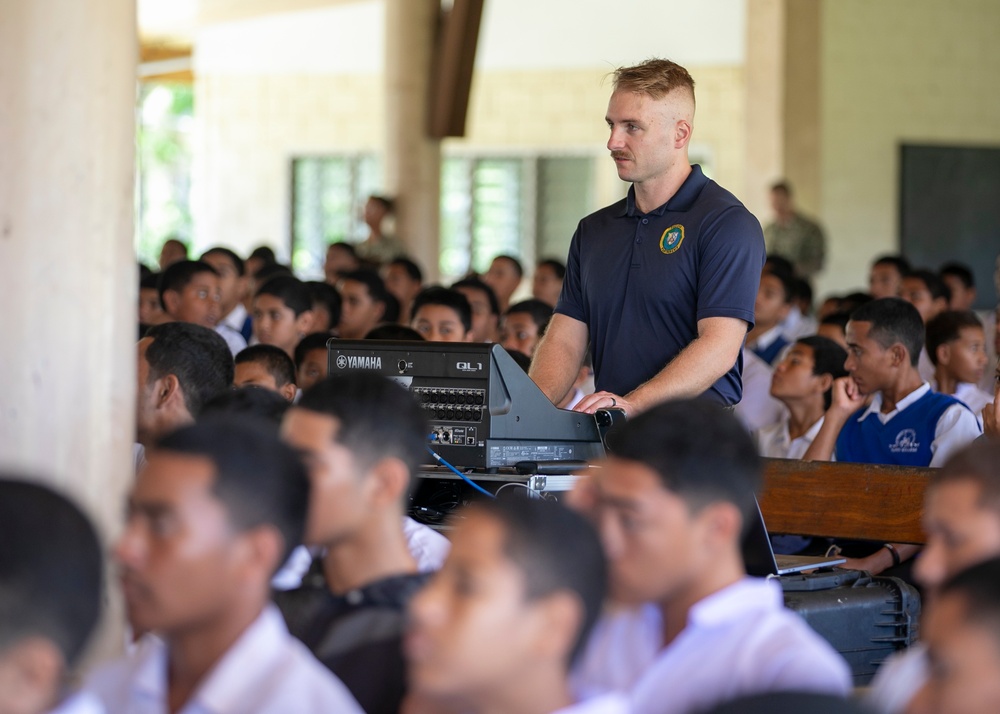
(555, 364)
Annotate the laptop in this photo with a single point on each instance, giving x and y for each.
(759, 557)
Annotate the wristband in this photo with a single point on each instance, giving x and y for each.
(893, 552)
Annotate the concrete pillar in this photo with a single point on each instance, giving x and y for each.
(783, 102)
(67, 266)
(412, 161)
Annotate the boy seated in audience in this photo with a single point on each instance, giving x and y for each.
(672, 503)
(961, 285)
(962, 526)
(504, 277)
(190, 292)
(547, 282)
(757, 408)
(326, 306)
(150, 308)
(404, 280)
(179, 367)
(834, 327)
(51, 576)
(282, 313)
(485, 309)
(442, 315)
(341, 259)
(926, 292)
(266, 366)
(957, 347)
(963, 645)
(514, 602)
(524, 324)
(885, 279)
(803, 382)
(773, 303)
(311, 360)
(233, 288)
(884, 412)
(364, 303)
(216, 511)
(363, 437)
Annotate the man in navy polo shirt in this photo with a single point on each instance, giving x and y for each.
(661, 284)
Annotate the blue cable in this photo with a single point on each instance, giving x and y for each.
(437, 457)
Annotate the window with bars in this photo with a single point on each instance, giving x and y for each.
(523, 206)
(328, 198)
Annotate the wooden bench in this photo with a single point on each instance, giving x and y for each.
(844, 500)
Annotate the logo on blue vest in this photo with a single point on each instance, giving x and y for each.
(905, 443)
(671, 239)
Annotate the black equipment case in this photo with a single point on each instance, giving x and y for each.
(864, 618)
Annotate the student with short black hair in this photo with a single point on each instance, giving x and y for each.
(233, 287)
(258, 403)
(956, 344)
(394, 332)
(885, 278)
(540, 576)
(51, 582)
(926, 291)
(442, 315)
(189, 292)
(547, 282)
(673, 501)
(803, 382)
(341, 258)
(150, 308)
(904, 422)
(216, 511)
(326, 306)
(404, 280)
(363, 436)
(775, 297)
(266, 366)
(311, 359)
(834, 327)
(282, 313)
(180, 367)
(364, 303)
(504, 277)
(524, 325)
(962, 634)
(961, 284)
(485, 308)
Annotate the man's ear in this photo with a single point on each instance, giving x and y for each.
(171, 302)
(682, 133)
(391, 479)
(722, 521)
(560, 615)
(825, 381)
(166, 389)
(304, 323)
(898, 355)
(288, 391)
(944, 354)
(263, 548)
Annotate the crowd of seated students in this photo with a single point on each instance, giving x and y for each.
(268, 564)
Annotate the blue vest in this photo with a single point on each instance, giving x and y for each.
(905, 440)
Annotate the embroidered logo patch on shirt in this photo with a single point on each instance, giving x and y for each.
(671, 239)
(905, 443)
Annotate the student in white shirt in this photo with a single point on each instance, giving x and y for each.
(956, 344)
(962, 524)
(497, 628)
(210, 518)
(671, 504)
(51, 576)
(802, 381)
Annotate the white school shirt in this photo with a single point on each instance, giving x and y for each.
(79, 703)
(898, 680)
(757, 408)
(774, 441)
(266, 671)
(613, 703)
(737, 642)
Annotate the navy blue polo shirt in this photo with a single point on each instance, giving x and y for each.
(640, 282)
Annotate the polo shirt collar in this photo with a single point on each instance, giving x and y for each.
(680, 201)
(876, 406)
